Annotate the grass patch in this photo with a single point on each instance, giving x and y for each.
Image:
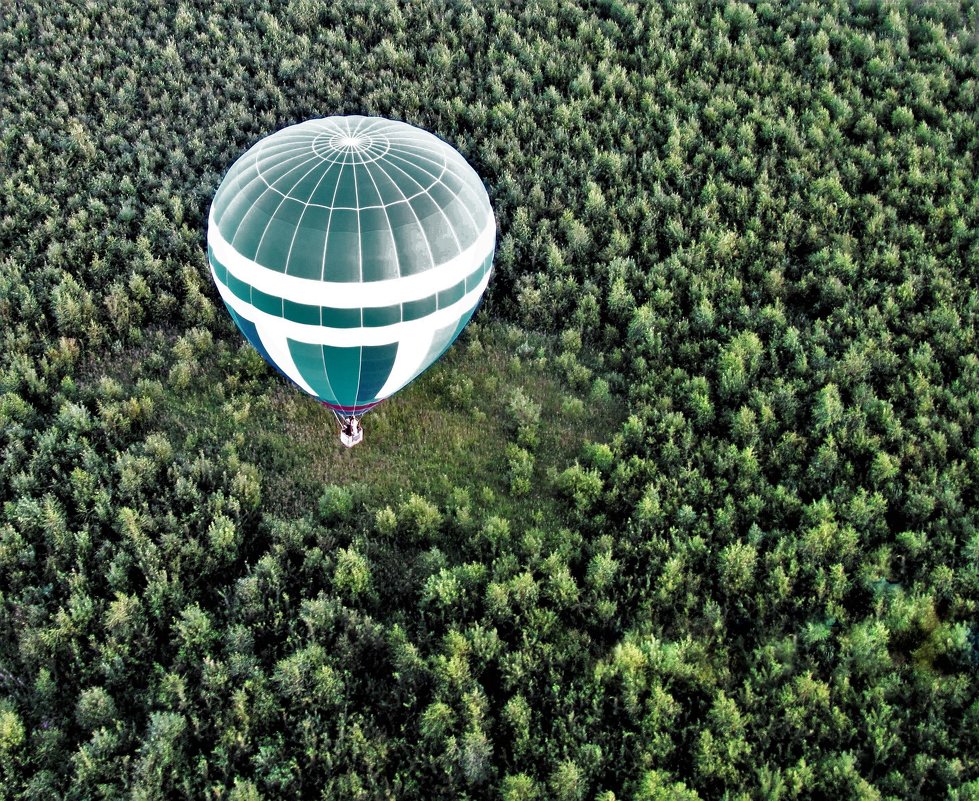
(499, 391)
(450, 428)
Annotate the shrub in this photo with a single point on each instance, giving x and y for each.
(352, 574)
(582, 485)
(336, 504)
(421, 515)
(521, 468)
(95, 708)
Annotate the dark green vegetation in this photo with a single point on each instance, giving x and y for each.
(755, 227)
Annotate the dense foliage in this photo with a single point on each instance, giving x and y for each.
(757, 225)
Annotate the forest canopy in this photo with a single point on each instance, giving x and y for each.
(690, 512)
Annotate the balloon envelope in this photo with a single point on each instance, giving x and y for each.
(351, 252)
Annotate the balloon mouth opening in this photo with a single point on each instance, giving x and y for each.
(348, 410)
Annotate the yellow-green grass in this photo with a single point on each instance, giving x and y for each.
(449, 429)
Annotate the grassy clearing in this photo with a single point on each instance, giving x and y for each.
(449, 429)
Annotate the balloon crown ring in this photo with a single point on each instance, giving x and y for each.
(351, 148)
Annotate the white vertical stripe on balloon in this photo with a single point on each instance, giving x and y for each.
(411, 354)
(277, 346)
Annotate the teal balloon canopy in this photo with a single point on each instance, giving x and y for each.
(351, 252)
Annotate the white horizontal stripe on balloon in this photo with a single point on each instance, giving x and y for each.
(353, 337)
(352, 295)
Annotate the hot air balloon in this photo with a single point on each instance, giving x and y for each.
(351, 252)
